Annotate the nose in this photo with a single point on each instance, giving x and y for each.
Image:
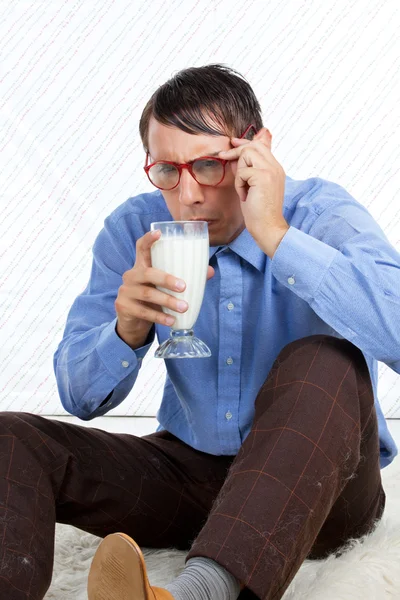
(190, 192)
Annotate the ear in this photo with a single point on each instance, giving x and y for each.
(264, 135)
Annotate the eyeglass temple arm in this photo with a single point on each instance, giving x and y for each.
(253, 127)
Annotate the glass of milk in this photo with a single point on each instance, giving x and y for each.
(183, 251)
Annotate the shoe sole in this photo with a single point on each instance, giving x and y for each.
(118, 570)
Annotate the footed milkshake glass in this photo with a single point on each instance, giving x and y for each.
(183, 251)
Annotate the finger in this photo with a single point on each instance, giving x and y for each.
(251, 157)
(230, 154)
(162, 279)
(210, 272)
(158, 297)
(241, 188)
(143, 245)
(245, 178)
(250, 147)
(263, 134)
(142, 311)
(159, 278)
(240, 141)
(262, 141)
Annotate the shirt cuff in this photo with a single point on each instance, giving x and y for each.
(117, 357)
(301, 262)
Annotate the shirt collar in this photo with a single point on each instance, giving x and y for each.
(245, 247)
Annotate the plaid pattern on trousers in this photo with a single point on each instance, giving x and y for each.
(306, 479)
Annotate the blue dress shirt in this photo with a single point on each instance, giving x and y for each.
(334, 273)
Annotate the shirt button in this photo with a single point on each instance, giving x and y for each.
(291, 280)
(125, 363)
(229, 360)
(230, 306)
(228, 415)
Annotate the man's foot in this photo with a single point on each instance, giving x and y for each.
(118, 572)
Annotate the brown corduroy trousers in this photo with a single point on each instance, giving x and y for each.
(306, 480)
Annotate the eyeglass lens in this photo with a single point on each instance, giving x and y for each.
(206, 172)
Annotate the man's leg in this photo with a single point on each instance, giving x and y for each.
(155, 488)
(307, 477)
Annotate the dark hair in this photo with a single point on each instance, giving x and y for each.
(199, 99)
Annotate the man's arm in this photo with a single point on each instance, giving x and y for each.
(349, 273)
(92, 362)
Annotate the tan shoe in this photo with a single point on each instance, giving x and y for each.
(118, 572)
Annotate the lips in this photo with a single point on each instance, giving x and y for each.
(207, 220)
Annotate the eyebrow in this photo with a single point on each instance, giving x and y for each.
(211, 154)
(201, 156)
(193, 159)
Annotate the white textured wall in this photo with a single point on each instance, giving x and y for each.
(75, 77)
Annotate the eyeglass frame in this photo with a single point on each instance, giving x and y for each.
(189, 166)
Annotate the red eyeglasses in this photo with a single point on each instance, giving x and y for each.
(206, 170)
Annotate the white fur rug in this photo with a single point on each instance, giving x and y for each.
(368, 571)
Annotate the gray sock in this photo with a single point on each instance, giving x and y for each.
(204, 579)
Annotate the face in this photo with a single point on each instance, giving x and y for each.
(219, 205)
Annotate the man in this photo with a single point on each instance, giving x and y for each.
(269, 451)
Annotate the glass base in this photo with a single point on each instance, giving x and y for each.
(182, 343)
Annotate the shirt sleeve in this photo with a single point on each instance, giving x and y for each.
(92, 361)
(345, 268)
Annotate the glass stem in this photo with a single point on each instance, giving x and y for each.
(181, 333)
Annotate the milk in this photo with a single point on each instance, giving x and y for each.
(186, 258)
